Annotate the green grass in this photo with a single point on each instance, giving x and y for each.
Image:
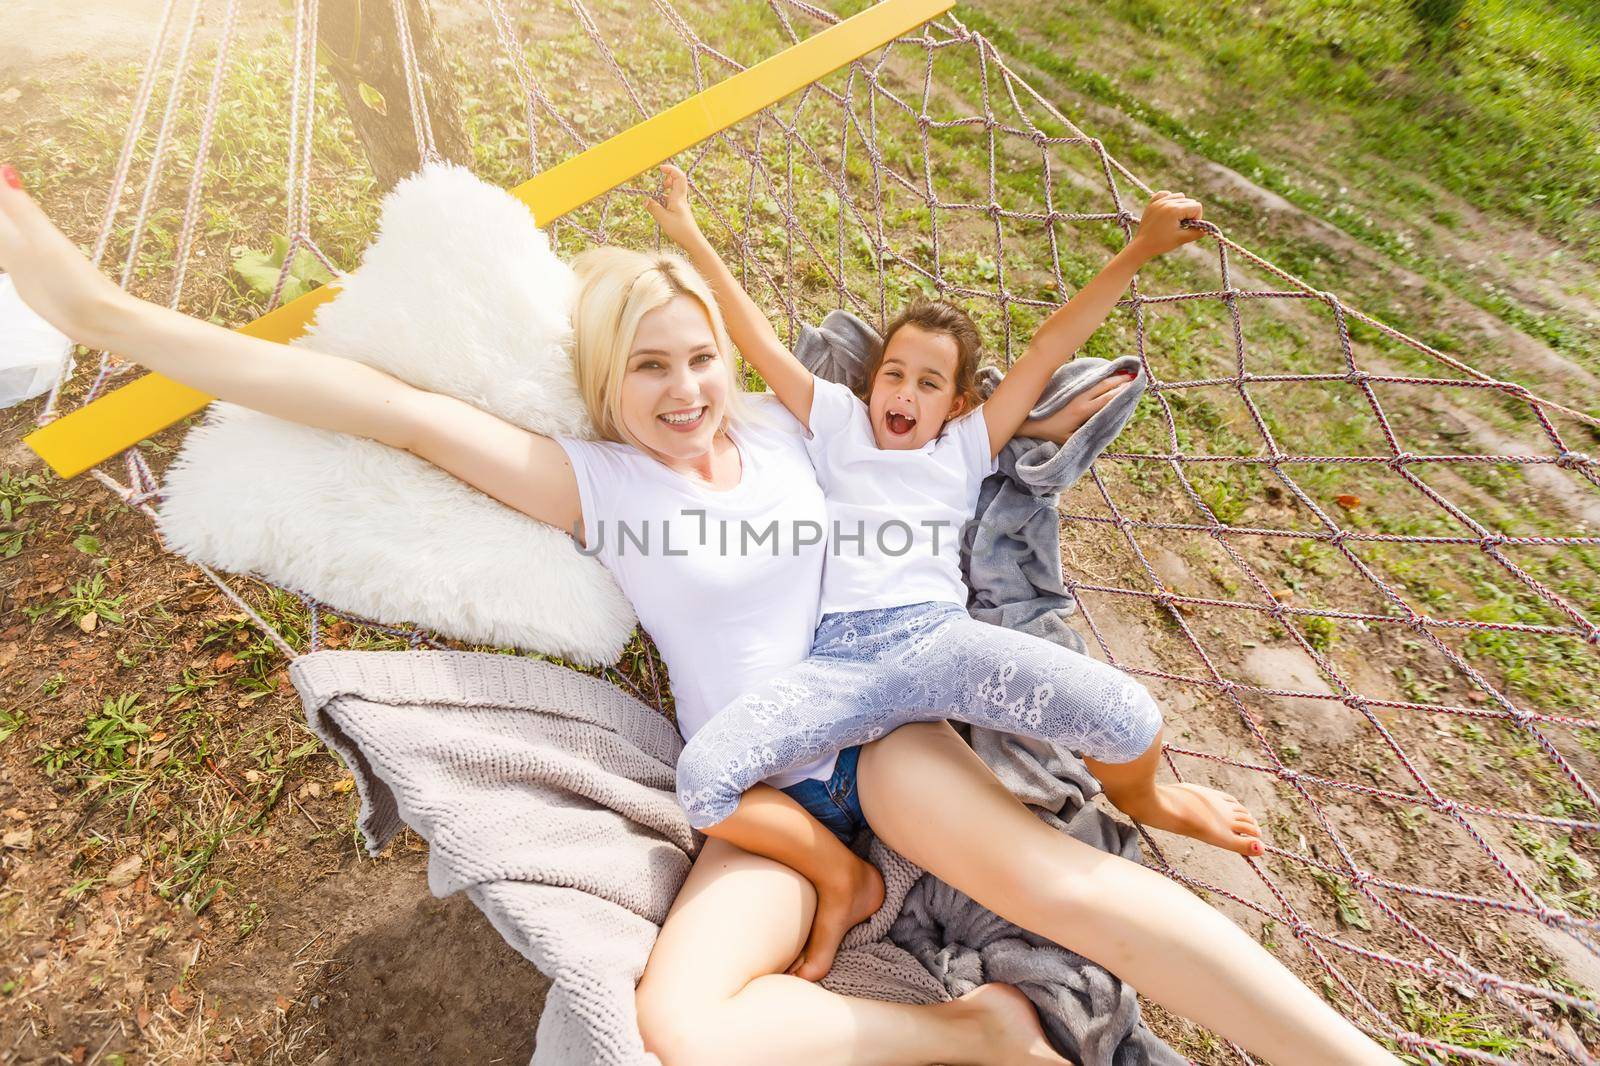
(1491, 120)
(1569, 878)
(109, 740)
(89, 597)
(1346, 901)
(1463, 1028)
(18, 493)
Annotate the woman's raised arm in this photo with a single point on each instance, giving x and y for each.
(524, 470)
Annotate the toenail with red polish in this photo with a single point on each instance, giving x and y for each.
(12, 178)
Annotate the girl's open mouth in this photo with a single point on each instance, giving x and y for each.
(899, 424)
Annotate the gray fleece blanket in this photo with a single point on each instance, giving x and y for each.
(547, 796)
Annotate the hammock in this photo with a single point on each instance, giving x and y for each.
(1262, 570)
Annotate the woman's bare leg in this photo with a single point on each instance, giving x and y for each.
(714, 991)
(928, 795)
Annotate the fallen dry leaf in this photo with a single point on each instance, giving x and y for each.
(179, 1000)
(1283, 595)
(344, 784)
(225, 661)
(1348, 502)
(125, 871)
(284, 1003)
(18, 839)
(141, 1016)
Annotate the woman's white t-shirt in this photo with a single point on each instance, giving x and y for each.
(895, 515)
(725, 582)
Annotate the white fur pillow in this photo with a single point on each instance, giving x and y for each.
(460, 294)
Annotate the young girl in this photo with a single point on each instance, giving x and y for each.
(901, 470)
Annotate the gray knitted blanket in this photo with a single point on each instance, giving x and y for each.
(548, 797)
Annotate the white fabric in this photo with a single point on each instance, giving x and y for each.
(725, 582)
(895, 515)
(33, 353)
(460, 294)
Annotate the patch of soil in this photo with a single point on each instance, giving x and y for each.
(51, 36)
(381, 972)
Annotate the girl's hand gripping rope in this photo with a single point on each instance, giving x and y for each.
(1161, 226)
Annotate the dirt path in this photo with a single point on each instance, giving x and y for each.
(55, 33)
(46, 35)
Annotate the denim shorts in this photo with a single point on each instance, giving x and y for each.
(834, 802)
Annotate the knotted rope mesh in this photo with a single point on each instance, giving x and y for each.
(1359, 573)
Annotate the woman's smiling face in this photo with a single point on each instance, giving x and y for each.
(675, 387)
(914, 392)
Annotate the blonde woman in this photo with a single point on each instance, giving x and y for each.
(657, 375)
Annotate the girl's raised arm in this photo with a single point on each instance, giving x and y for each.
(747, 326)
(1063, 333)
(523, 470)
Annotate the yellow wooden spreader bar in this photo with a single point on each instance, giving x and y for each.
(125, 416)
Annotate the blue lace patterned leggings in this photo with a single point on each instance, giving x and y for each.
(870, 672)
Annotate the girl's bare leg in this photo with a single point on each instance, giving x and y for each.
(928, 795)
(714, 991)
(1205, 814)
(849, 889)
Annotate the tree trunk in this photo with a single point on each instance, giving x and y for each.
(360, 44)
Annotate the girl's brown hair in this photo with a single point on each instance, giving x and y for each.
(936, 316)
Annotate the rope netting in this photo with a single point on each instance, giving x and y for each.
(1359, 573)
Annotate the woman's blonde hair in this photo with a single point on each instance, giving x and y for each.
(617, 287)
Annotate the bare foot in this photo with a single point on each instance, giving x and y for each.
(1206, 814)
(1011, 1027)
(840, 909)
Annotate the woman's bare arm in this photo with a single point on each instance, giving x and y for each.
(524, 470)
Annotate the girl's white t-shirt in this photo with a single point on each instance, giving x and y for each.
(895, 516)
(725, 582)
